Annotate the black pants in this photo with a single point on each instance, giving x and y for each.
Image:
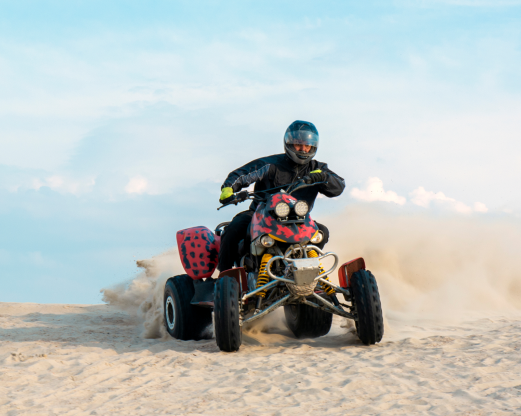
(236, 231)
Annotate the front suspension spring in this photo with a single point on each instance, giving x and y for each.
(263, 277)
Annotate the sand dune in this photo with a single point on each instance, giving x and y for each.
(92, 360)
(451, 295)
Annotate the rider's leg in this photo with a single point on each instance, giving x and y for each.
(324, 229)
(233, 234)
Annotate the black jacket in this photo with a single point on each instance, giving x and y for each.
(276, 170)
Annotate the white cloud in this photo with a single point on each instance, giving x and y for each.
(480, 207)
(423, 198)
(374, 191)
(136, 185)
(453, 92)
(62, 184)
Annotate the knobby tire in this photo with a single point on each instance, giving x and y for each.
(191, 322)
(226, 314)
(368, 308)
(306, 321)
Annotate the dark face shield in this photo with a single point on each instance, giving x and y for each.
(303, 137)
(303, 143)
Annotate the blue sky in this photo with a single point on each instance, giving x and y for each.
(120, 120)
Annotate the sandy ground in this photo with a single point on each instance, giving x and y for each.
(441, 353)
(92, 360)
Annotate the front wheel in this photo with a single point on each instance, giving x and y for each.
(226, 314)
(306, 321)
(183, 320)
(366, 302)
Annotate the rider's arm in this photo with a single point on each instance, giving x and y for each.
(243, 177)
(335, 184)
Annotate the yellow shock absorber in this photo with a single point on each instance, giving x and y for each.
(263, 277)
(326, 288)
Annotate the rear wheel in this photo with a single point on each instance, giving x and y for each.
(183, 320)
(306, 321)
(226, 313)
(366, 302)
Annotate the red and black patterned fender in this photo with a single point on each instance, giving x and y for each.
(281, 197)
(199, 250)
(259, 222)
(306, 230)
(264, 223)
(294, 233)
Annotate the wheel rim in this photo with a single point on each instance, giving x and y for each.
(170, 312)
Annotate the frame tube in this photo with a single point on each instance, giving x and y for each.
(338, 311)
(338, 288)
(260, 289)
(270, 308)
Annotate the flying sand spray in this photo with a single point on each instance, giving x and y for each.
(437, 267)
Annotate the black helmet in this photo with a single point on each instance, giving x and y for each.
(301, 133)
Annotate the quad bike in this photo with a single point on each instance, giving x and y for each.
(280, 265)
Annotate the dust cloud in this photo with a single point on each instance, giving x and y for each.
(434, 264)
(431, 266)
(142, 296)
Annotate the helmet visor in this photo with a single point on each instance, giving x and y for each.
(301, 137)
(303, 143)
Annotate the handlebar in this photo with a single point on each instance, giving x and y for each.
(238, 197)
(302, 184)
(291, 187)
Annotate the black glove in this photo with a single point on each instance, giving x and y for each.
(241, 196)
(315, 177)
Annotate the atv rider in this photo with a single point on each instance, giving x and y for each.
(300, 145)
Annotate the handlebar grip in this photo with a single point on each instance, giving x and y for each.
(238, 197)
(241, 196)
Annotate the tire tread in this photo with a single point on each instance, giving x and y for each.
(309, 323)
(191, 320)
(369, 327)
(228, 334)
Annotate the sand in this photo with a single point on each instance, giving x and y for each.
(451, 296)
(92, 360)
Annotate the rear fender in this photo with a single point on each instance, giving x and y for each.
(347, 269)
(199, 250)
